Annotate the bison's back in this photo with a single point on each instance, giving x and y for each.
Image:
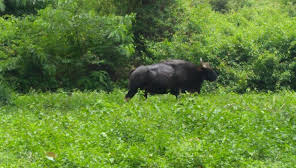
(152, 76)
(161, 76)
(186, 72)
(179, 64)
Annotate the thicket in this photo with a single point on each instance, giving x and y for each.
(93, 44)
(65, 47)
(23, 7)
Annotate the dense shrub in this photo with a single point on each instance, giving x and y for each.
(66, 47)
(252, 48)
(5, 94)
(21, 7)
(88, 44)
(265, 71)
(227, 5)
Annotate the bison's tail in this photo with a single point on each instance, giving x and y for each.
(131, 71)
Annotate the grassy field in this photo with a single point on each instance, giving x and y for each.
(92, 129)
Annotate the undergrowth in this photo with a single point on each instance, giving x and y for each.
(98, 129)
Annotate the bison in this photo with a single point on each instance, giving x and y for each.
(171, 76)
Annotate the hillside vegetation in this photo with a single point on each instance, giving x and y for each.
(81, 44)
(96, 129)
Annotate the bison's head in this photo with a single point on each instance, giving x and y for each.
(208, 73)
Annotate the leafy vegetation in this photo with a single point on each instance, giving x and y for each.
(62, 48)
(88, 44)
(241, 44)
(97, 129)
(22, 7)
(5, 95)
(66, 45)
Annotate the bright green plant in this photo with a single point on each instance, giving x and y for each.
(88, 44)
(228, 5)
(66, 47)
(234, 43)
(265, 72)
(5, 95)
(98, 129)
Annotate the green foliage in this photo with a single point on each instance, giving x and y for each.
(96, 80)
(2, 6)
(227, 5)
(289, 2)
(97, 129)
(265, 72)
(5, 95)
(66, 47)
(155, 21)
(236, 43)
(89, 44)
(121, 7)
(21, 7)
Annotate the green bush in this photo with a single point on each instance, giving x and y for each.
(265, 71)
(5, 95)
(241, 45)
(82, 44)
(21, 7)
(66, 48)
(227, 5)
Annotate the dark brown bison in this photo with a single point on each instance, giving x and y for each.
(171, 76)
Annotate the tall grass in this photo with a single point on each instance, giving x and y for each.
(97, 129)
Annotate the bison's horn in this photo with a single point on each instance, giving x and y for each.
(200, 60)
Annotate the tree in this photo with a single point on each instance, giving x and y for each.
(21, 7)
